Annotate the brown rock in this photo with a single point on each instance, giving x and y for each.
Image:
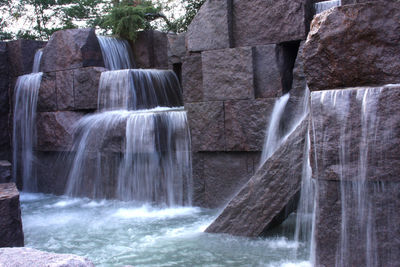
(5, 171)
(332, 123)
(11, 233)
(65, 90)
(224, 174)
(267, 76)
(27, 257)
(150, 50)
(384, 206)
(71, 49)
(259, 22)
(228, 74)
(364, 35)
(86, 83)
(21, 54)
(47, 97)
(55, 130)
(245, 123)
(192, 79)
(209, 29)
(206, 123)
(299, 78)
(274, 185)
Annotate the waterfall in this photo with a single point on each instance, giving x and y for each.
(36, 61)
(361, 137)
(116, 53)
(24, 129)
(322, 6)
(137, 146)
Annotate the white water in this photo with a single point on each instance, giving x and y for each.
(37, 60)
(322, 6)
(24, 129)
(116, 53)
(116, 233)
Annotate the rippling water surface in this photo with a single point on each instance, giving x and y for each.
(115, 233)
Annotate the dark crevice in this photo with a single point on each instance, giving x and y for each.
(286, 54)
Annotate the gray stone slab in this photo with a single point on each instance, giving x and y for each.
(192, 79)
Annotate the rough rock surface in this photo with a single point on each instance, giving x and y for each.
(47, 97)
(55, 130)
(4, 103)
(86, 84)
(5, 171)
(71, 49)
(350, 2)
(267, 76)
(21, 54)
(192, 79)
(27, 257)
(11, 233)
(206, 122)
(364, 35)
(259, 22)
(228, 74)
(176, 48)
(332, 123)
(209, 29)
(384, 218)
(299, 83)
(245, 123)
(150, 50)
(253, 210)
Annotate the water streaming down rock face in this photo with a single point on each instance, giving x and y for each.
(116, 53)
(36, 61)
(322, 6)
(133, 149)
(24, 129)
(360, 160)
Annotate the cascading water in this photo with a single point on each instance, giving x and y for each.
(24, 125)
(133, 149)
(359, 196)
(325, 5)
(116, 53)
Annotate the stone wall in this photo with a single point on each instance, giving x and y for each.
(235, 67)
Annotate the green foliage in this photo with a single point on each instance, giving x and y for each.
(182, 23)
(126, 18)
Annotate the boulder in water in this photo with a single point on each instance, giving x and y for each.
(27, 257)
(353, 45)
(262, 202)
(11, 233)
(71, 49)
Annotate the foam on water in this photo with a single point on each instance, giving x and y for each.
(146, 211)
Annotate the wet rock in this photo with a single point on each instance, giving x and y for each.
(4, 103)
(228, 74)
(47, 97)
(254, 209)
(206, 123)
(11, 233)
(245, 123)
(5, 171)
(27, 257)
(198, 179)
(21, 54)
(252, 20)
(55, 130)
(364, 35)
(192, 78)
(377, 133)
(267, 76)
(150, 50)
(299, 78)
(384, 206)
(86, 83)
(71, 49)
(65, 90)
(224, 174)
(209, 29)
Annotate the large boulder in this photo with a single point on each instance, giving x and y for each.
(86, 84)
(27, 257)
(259, 22)
(150, 50)
(11, 233)
(209, 29)
(353, 45)
(260, 203)
(176, 48)
(71, 49)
